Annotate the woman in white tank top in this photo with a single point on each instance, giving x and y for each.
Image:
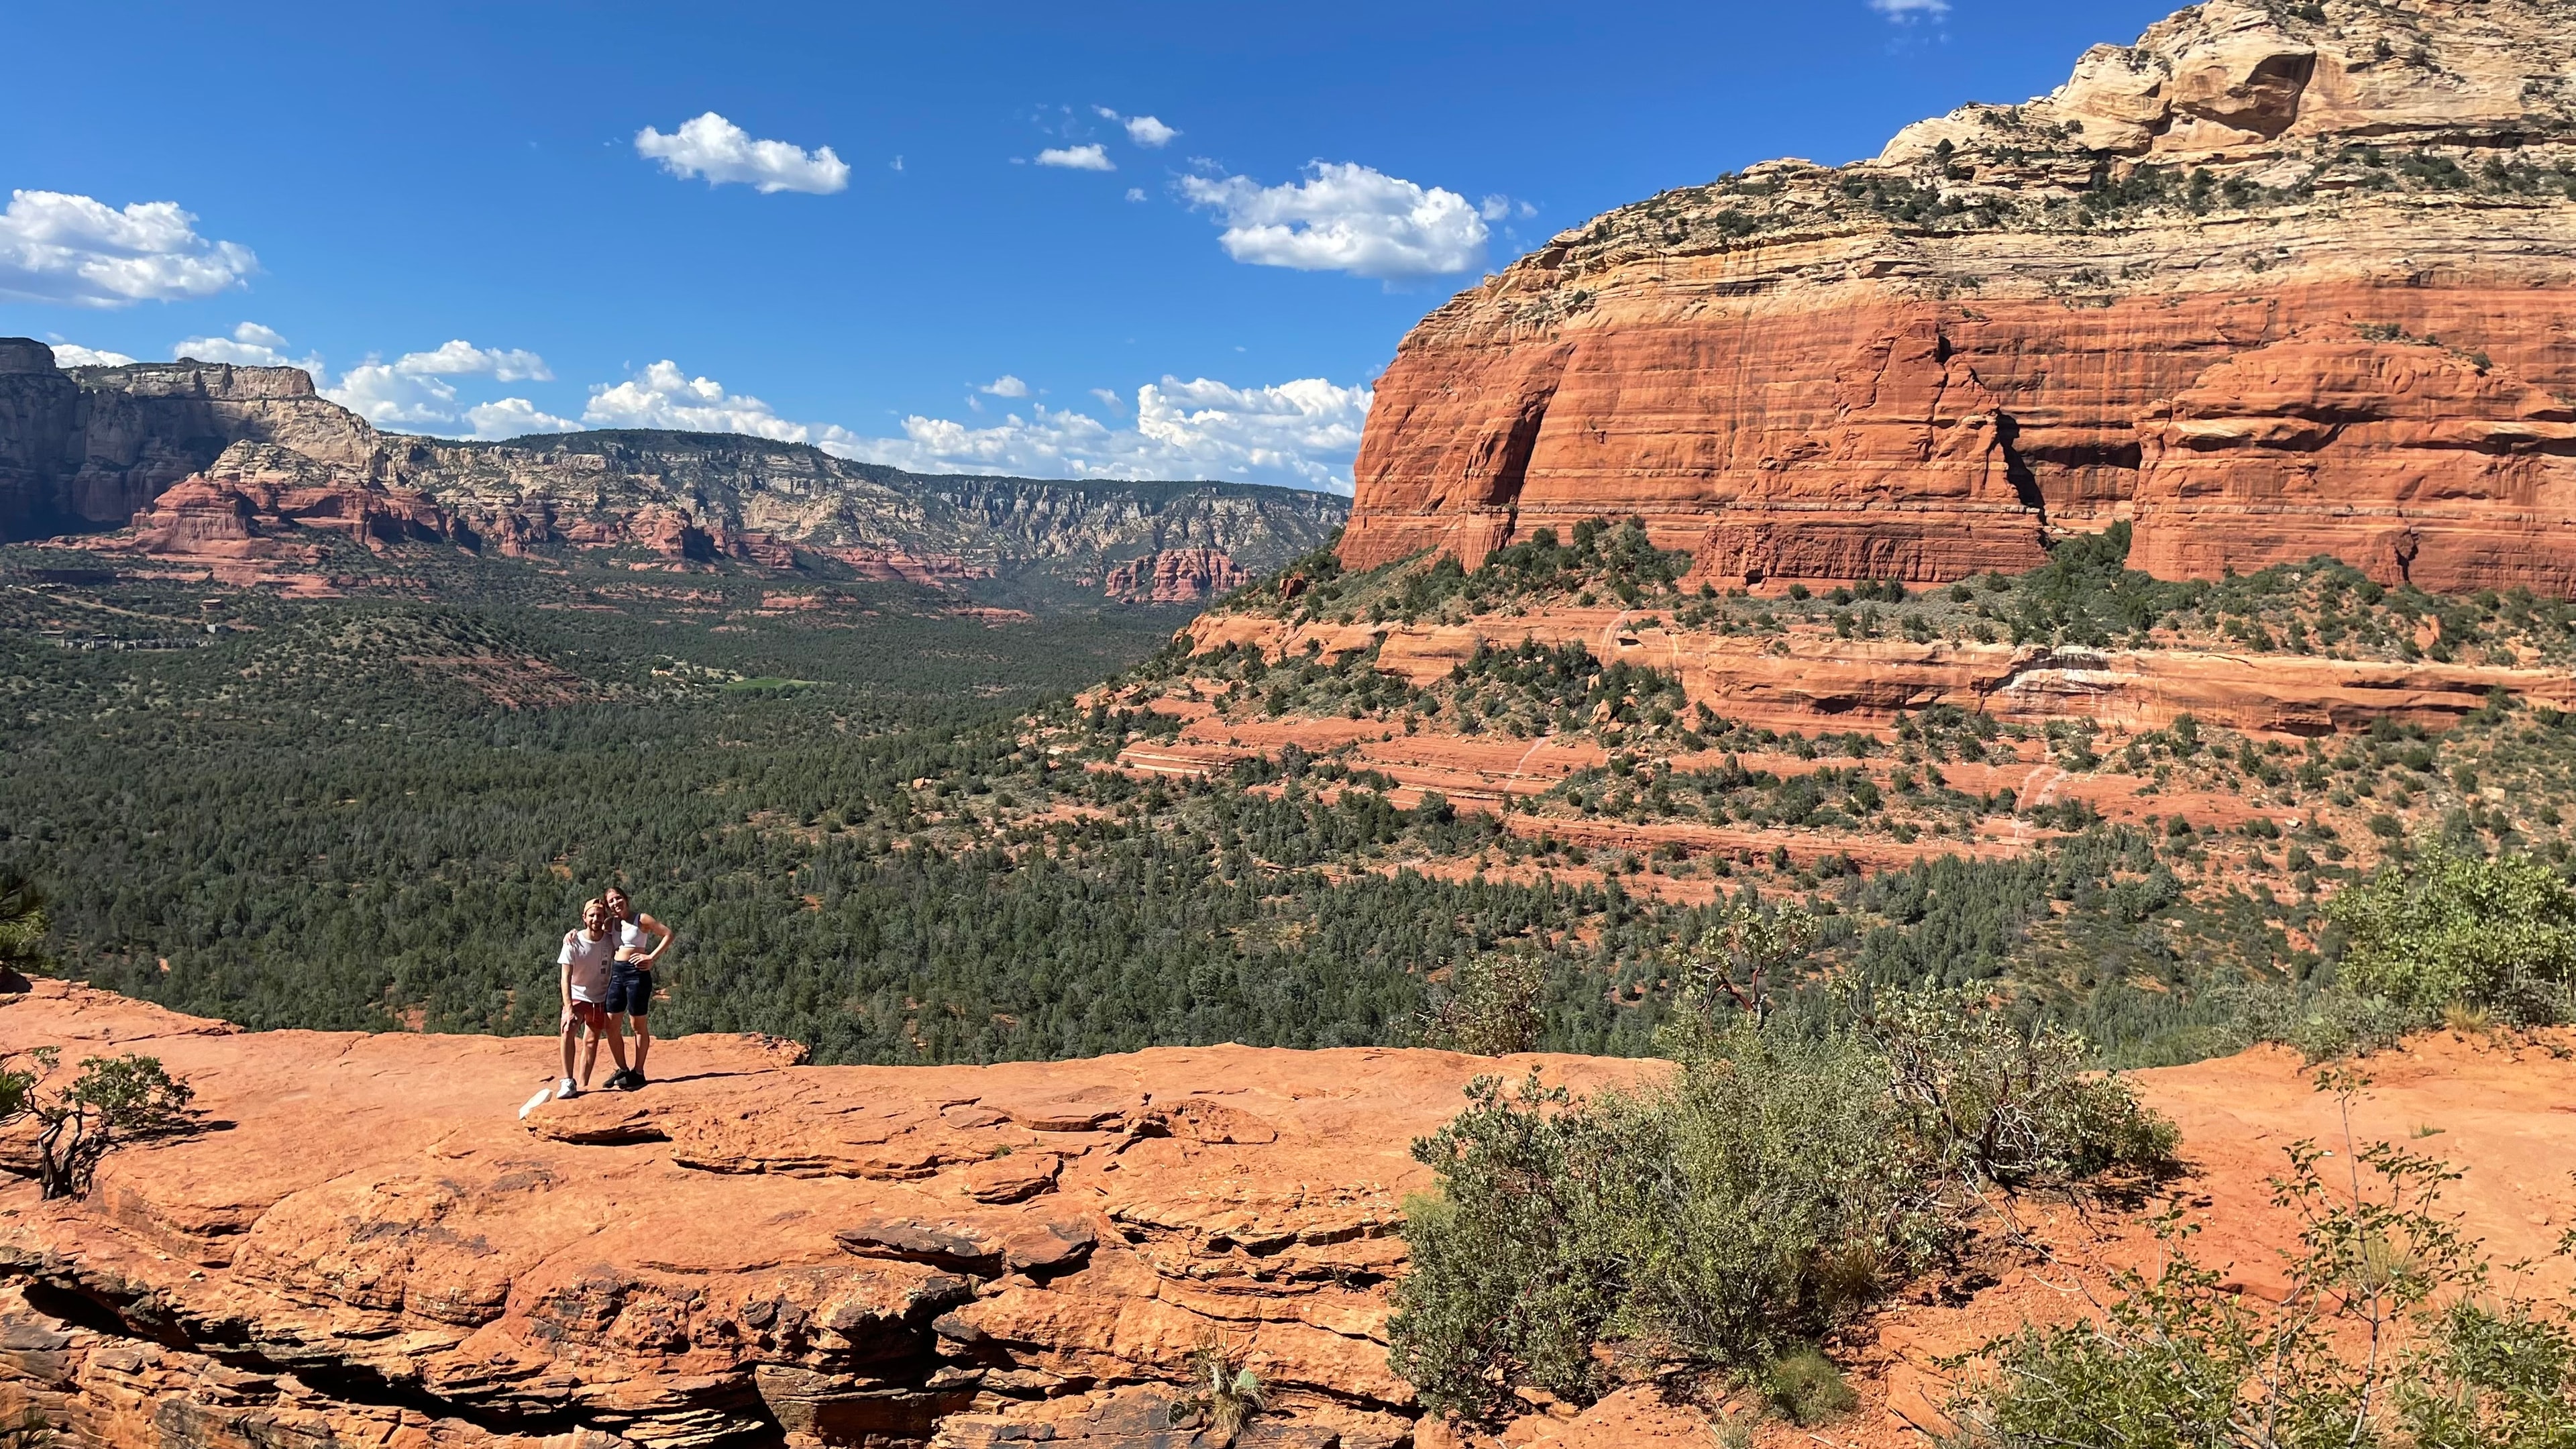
(631, 983)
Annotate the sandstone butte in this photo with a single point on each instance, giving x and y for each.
(2274, 281)
(366, 1245)
(1175, 576)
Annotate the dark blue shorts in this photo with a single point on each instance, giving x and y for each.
(630, 990)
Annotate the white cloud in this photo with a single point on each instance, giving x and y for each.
(1111, 400)
(1145, 131)
(1906, 12)
(72, 354)
(412, 394)
(514, 417)
(250, 345)
(1005, 386)
(1094, 157)
(662, 396)
(392, 399)
(717, 149)
(81, 252)
(1344, 217)
(460, 358)
(1135, 193)
(1301, 433)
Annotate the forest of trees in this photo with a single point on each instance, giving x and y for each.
(884, 827)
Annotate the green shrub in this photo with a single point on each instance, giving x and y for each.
(2386, 1335)
(1492, 1005)
(1994, 1101)
(2326, 1023)
(22, 925)
(1516, 1264)
(1789, 1171)
(2497, 934)
(1773, 1203)
(1805, 1388)
(113, 1100)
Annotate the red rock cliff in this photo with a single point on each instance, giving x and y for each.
(2271, 285)
(372, 1248)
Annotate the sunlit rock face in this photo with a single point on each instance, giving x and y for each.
(83, 449)
(2272, 282)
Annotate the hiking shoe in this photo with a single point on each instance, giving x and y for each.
(617, 1080)
(565, 1089)
(635, 1079)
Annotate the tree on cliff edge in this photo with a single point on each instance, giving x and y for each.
(114, 1099)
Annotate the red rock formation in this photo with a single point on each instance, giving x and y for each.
(1175, 576)
(1924, 364)
(83, 448)
(377, 1250)
(261, 501)
(1799, 684)
(890, 566)
(2412, 461)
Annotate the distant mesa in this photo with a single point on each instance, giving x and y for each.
(2274, 281)
(248, 471)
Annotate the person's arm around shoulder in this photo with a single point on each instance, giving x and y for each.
(653, 927)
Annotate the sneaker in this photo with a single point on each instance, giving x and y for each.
(635, 1079)
(565, 1088)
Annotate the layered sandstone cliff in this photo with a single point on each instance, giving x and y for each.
(83, 449)
(2276, 280)
(1175, 576)
(252, 501)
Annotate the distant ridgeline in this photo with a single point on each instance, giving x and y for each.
(202, 458)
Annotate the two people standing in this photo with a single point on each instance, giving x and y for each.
(607, 982)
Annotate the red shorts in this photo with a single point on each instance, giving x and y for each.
(589, 1013)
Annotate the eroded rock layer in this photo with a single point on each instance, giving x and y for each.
(87, 448)
(367, 1245)
(1175, 576)
(2270, 284)
(377, 1246)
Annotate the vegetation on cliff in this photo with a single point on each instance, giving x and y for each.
(377, 811)
(2393, 1327)
(1791, 1172)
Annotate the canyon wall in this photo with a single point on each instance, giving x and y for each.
(89, 450)
(84, 449)
(2272, 282)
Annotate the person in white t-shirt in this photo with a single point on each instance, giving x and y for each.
(585, 959)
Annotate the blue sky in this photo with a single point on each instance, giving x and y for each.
(1138, 239)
